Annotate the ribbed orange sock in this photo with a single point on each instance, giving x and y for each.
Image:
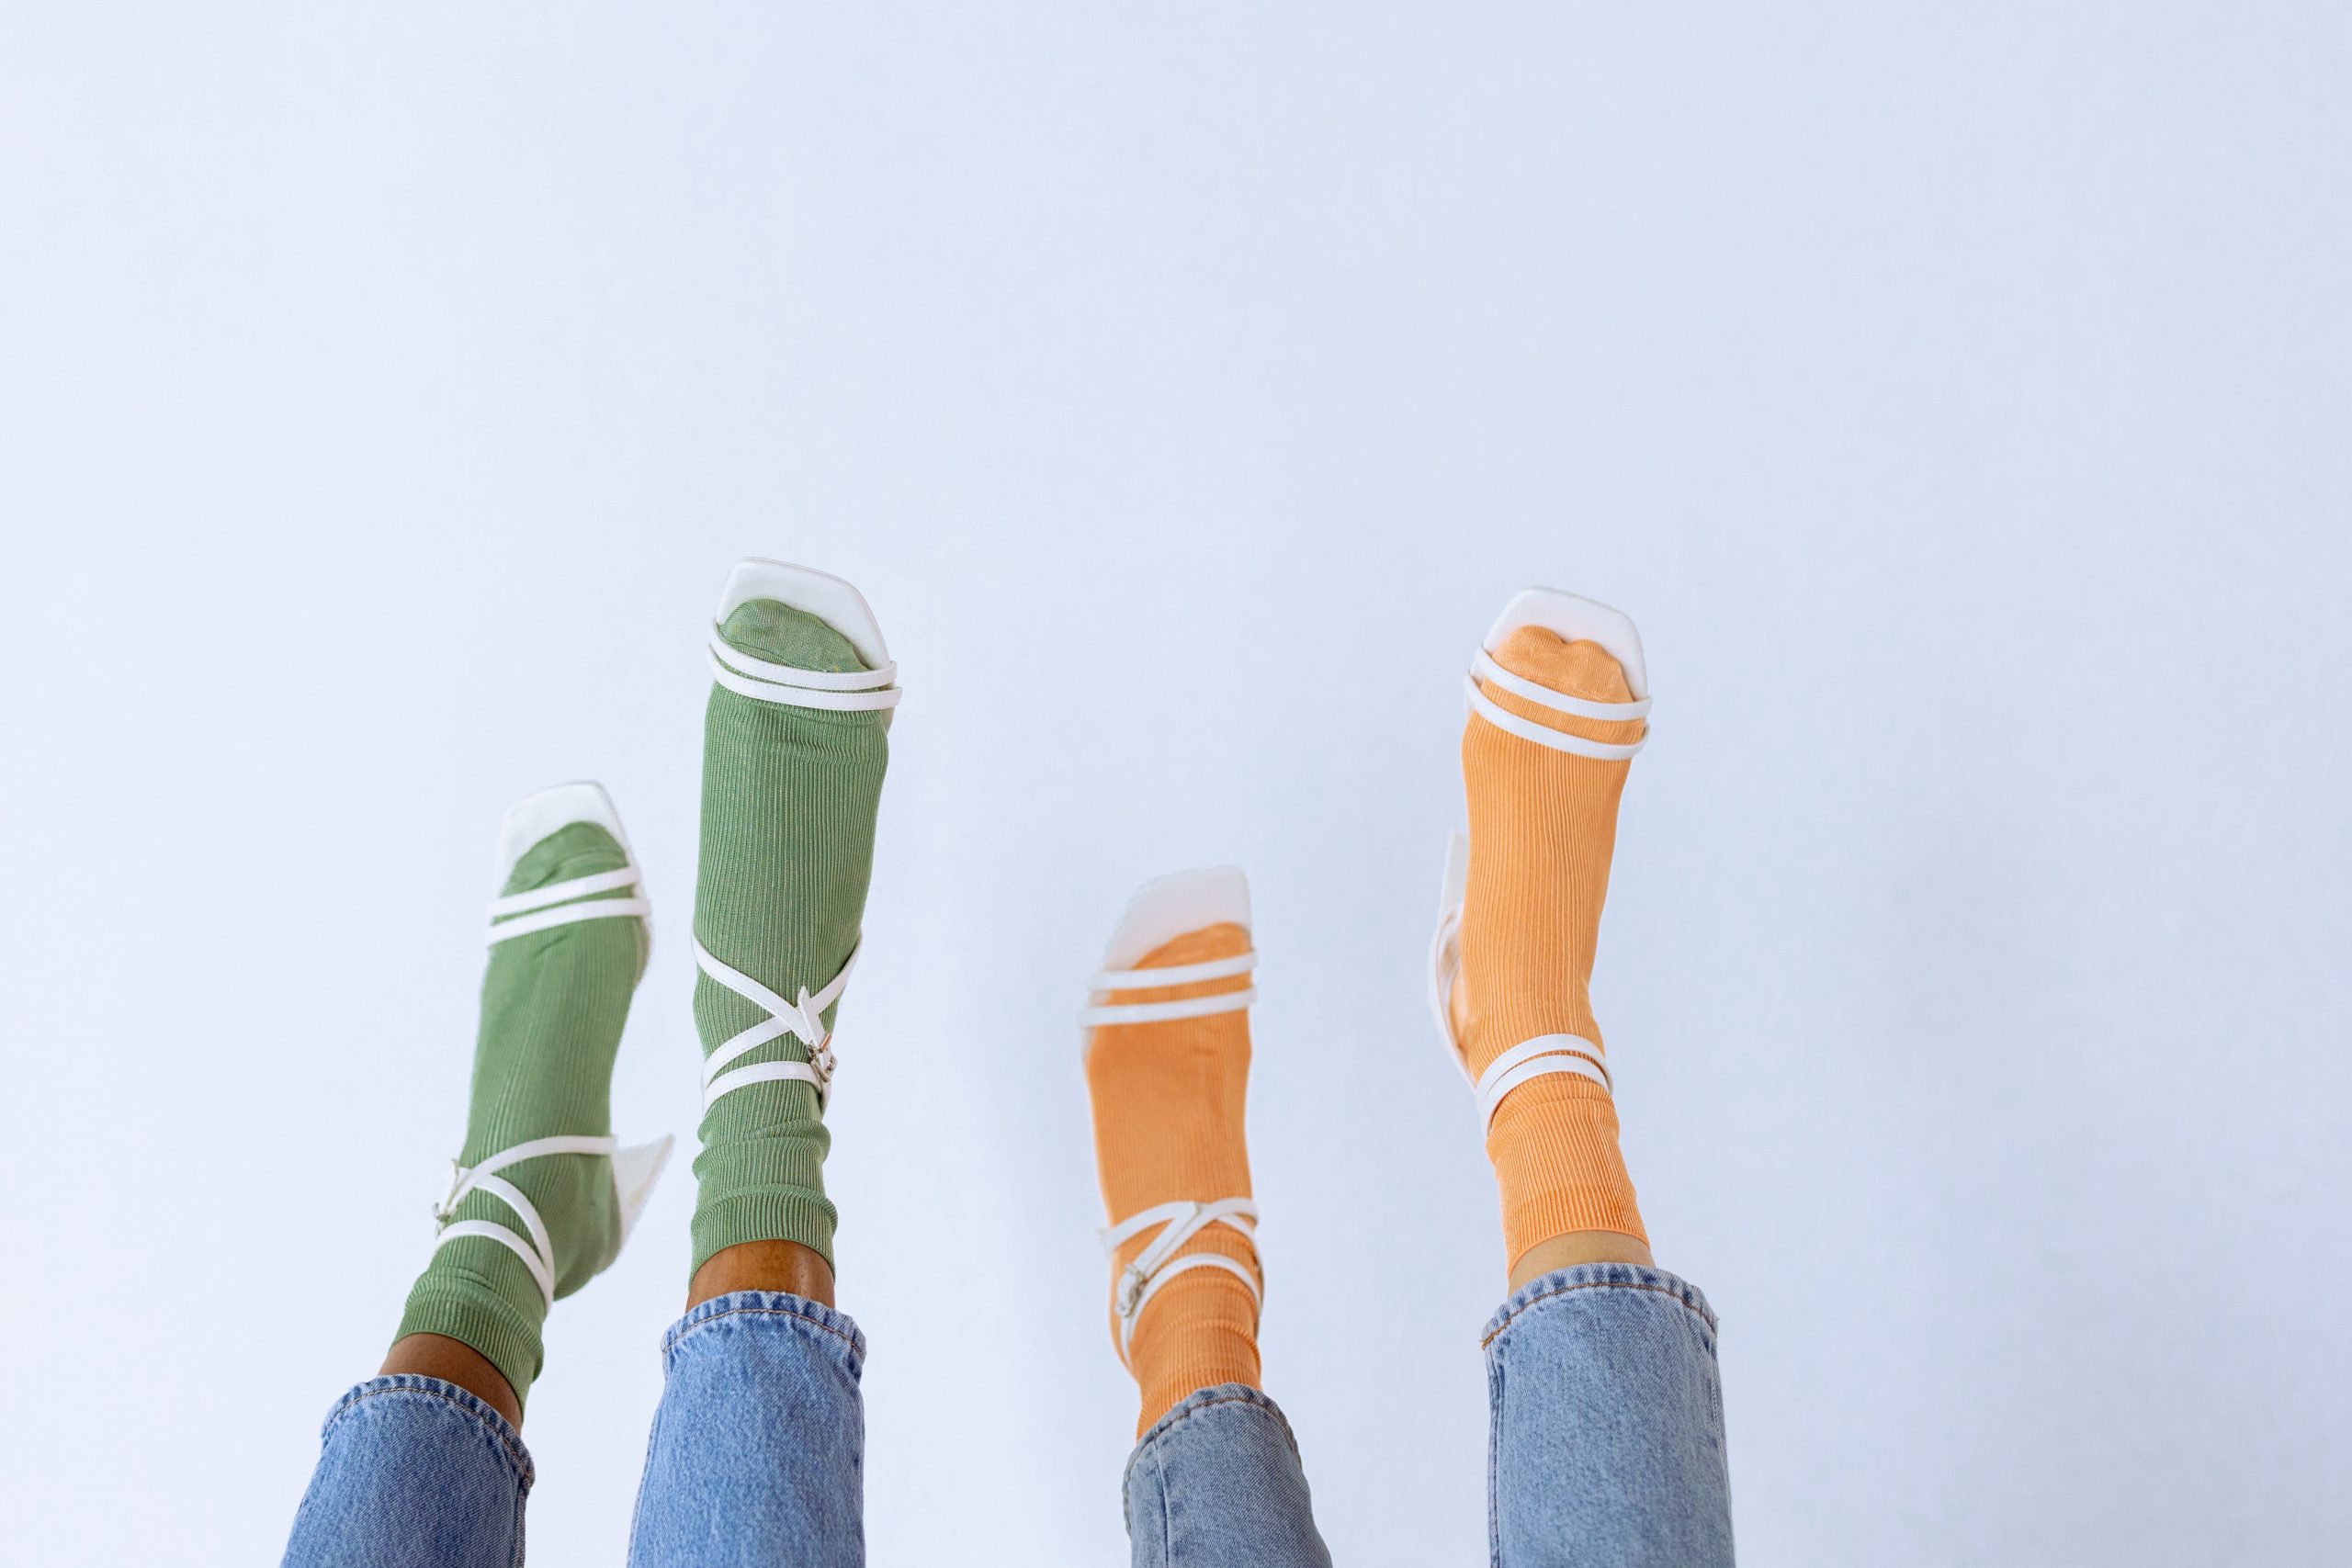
(1543, 828)
(1169, 1098)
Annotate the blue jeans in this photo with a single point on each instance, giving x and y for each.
(1606, 1447)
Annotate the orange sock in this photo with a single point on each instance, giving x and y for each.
(1542, 827)
(1169, 1096)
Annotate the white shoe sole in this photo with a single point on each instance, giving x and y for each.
(833, 600)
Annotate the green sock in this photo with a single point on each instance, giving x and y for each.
(553, 1002)
(789, 802)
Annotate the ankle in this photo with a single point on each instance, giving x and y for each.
(1200, 1333)
(1579, 1247)
(785, 1266)
(454, 1362)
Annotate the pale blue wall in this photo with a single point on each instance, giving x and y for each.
(1959, 405)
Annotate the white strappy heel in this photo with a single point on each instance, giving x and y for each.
(531, 819)
(1578, 620)
(636, 1168)
(1162, 911)
(843, 608)
(831, 601)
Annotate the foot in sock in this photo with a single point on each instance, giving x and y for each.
(1542, 818)
(1168, 1068)
(569, 944)
(794, 750)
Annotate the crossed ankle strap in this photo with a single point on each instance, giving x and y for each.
(542, 908)
(764, 680)
(538, 1252)
(1115, 980)
(803, 1020)
(1157, 1264)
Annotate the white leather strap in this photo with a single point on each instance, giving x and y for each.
(1160, 1012)
(543, 908)
(1502, 719)
(768, 669)
(807, 1072)
(562, 892)
(1157, 1264)
(542, 1270)
(1174, 974)
(561, 1144)
(808, 689)
(1539, 1057)
(1111, 981)
(546, 919)
(1483, 667)
(538, 1252)
(803, 1019)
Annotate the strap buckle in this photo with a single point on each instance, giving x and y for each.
(802, 1018)
(445, 1208)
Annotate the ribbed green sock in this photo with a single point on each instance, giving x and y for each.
(553, 1002)
(789, 802)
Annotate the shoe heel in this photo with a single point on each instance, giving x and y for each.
(635, 1170)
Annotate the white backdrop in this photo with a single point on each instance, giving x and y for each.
(1959, 405)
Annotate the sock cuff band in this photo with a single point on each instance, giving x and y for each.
(793, 1214)
(470, 1312)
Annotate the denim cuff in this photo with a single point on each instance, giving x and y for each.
(1221, 1393)
(497, 1432)
(835, 1329)
(1597, 1277)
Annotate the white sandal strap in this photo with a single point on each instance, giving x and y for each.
(1157, 1264)
(560, 1143)
(1174, 974)
(1190, 1261)
(802, 1019)
(537, 1253)
(795, 695)
(777, 674)
(568, 914)
(1235, 1212)
(768, 1072)
(1502, 719)
(1539, 1057)
(562, 892)
(1162, 1012)
(543, 908)
(1483, 667)
(1109, 981)
(490, 1230)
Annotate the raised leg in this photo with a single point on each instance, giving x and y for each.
(1216, 1478)
(424, 1463)
(1608, 1424)
(413, 1472)
(757, 1456)
(757, 1451)
(1607, 1439)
